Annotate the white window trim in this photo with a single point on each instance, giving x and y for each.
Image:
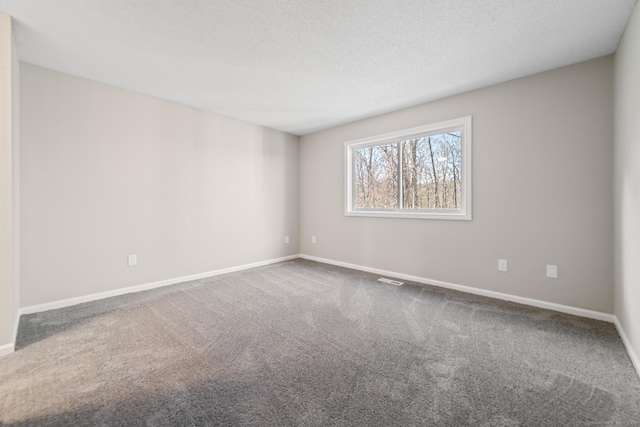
(463, 123)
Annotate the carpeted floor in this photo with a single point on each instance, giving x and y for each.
(307, 344)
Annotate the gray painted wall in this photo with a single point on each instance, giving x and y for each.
(106, 173)
(627, 182)
(8, 120)
(15, 183)
(542, 180)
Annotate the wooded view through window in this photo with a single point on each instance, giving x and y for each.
(430, 173)
(418, 173)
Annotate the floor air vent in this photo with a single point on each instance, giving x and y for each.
(389, 281)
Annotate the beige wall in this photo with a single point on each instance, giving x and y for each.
(15, 181)
(542, 180)
(106, 173)
(627, 182)
(8, 186)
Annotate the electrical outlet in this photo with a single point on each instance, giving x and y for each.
(552, 271)
(502, 265)
(286, 239)
(132, 260)
(313, 239)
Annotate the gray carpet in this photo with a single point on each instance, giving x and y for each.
(306, 344)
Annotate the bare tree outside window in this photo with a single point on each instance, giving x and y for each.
(376, 177)
(431, 171)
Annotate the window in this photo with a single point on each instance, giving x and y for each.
(422, 172)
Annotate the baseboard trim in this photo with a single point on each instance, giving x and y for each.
(635, 361)
(6, 349)
(582, 312)
(138, 288)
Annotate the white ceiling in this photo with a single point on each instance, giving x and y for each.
(305, 65)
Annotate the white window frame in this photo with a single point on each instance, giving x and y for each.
(462, 124)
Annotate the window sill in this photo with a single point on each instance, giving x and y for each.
(464, 216)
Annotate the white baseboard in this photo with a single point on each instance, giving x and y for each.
(635, 361)
(9, 348)
(6, 349)
(582, 312)
(93, 297)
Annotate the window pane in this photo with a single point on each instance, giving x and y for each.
(376, 177)
(431, 168)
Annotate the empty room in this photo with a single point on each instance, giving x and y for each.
(320, 213)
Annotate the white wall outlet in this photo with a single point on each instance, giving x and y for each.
(286, 239)
(313, 239)
(502, 265)
(132, 260)
(552, 271)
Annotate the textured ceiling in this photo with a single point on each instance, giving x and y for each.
(305, 65)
